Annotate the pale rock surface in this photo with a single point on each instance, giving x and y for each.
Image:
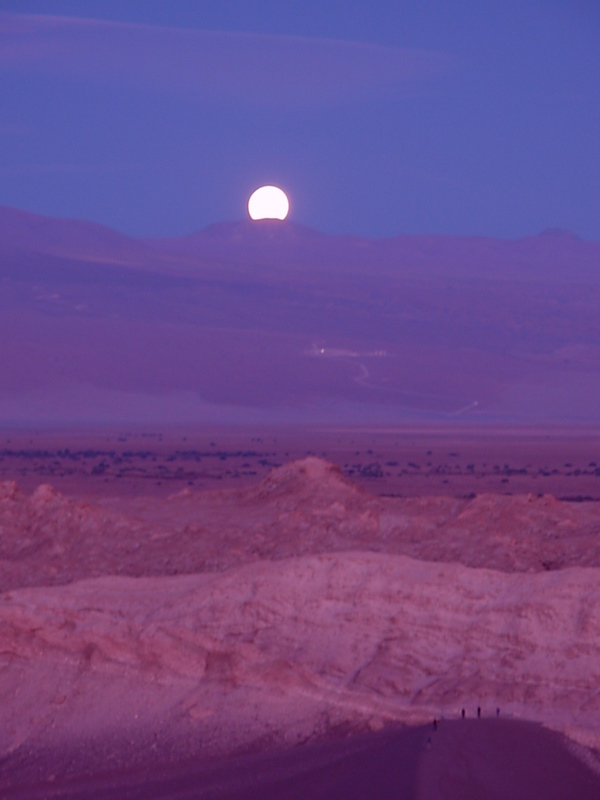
(284, 649)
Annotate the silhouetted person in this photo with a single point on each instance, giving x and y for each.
(497, 712)
(435, 724)
(479, 711)
(462, 713)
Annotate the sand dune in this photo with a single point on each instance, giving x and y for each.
(465, 760)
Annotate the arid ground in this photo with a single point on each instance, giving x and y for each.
(403, 461)
(284, 612)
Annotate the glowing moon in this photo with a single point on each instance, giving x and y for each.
(268, 202)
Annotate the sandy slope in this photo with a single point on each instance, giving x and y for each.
(272, 647)
(461, 760)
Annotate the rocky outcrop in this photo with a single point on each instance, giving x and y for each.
(275, 648)
(283, 610)
(303, 508)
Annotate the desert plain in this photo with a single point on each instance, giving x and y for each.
(219, 612)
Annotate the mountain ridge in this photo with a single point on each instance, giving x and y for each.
(26, 231)
(280, 317)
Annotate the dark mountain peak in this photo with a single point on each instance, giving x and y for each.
(259, 230)
(248, 233)
(263, 239)
(70, 238)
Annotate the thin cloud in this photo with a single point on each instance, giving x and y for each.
(241, 67)
(61, 169)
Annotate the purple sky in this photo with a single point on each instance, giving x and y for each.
(377, 119)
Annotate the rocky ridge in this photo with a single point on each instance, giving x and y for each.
(306, 603)
(303, 508)
(273, 648)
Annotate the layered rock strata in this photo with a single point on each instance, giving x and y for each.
(283, 611)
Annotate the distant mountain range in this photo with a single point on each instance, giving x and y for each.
(273, 321)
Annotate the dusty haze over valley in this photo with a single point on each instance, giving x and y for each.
(262, 322)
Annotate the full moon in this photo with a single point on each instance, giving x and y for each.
(268, 202)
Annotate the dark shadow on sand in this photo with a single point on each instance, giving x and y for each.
(472, 759)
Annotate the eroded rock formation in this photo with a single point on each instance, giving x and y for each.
(306, 603)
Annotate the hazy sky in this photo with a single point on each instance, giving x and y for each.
(424, 116)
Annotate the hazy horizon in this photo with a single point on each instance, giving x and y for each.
(267, 323)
